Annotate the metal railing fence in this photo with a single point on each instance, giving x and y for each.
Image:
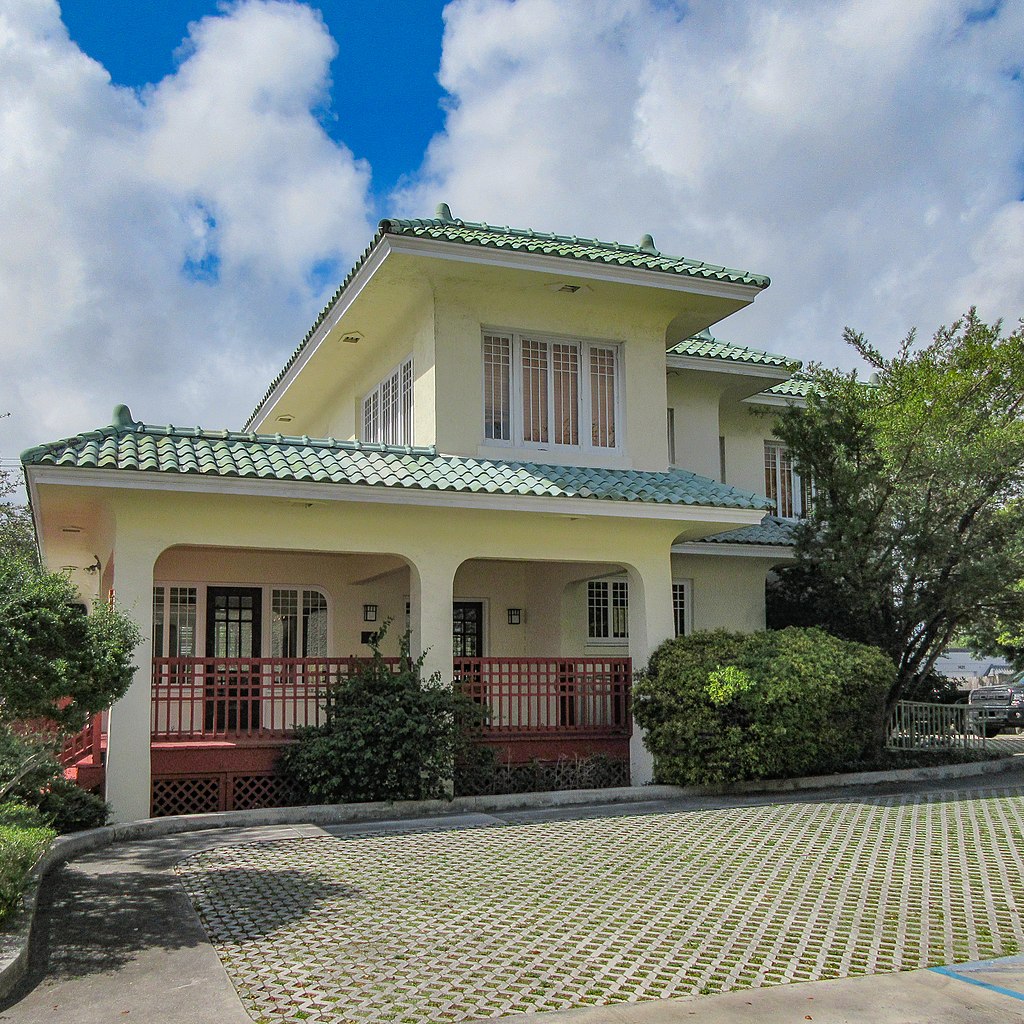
(916, 725)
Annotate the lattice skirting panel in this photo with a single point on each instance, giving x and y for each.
(489, 779)
(200, 794)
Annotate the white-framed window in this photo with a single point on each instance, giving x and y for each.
(546, 392)
(682, 606)
(175, 613)
(294, 620)
(782, 483)
(387, 409)
(608, 611)
(671, 419)
(298, 623)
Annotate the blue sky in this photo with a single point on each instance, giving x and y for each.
(184, 184)
(385, 101)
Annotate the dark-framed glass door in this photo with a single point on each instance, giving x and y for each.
(233, 639)
(468, 629)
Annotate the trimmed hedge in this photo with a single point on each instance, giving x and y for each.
(22, 842)
(725, 707)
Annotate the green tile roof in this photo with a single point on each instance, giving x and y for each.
(796, 387)
(127, 445)
(446, 228)
(771, 530)
(706, 346)
(645, 256)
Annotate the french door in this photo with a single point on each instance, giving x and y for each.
(233, 633)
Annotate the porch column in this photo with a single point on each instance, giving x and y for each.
(650, 622)
(431, 588)
(128, 729)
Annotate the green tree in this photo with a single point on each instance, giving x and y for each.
(16, 532)
(916, 530)
(1000, 632)
(57, 663)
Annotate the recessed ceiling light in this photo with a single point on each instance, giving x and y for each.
(567, 287)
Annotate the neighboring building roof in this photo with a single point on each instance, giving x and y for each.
(959, 661)
(772, 530)
(446, 228)
(706, 346)
(127, 445)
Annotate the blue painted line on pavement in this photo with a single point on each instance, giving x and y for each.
(952, 973)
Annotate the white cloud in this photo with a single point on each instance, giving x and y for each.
(168, 247)
(869, 156)
(164, 248)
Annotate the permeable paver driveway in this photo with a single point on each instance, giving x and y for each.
(456, 925)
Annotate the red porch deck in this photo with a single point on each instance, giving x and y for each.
(218, 724)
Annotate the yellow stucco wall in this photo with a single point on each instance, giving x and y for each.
(745, 431)
(727, 592)
(695, 398)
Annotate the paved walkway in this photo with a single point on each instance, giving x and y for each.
(638, 912)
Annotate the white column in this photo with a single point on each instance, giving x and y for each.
(128, 731)
(431, 586)
(650, 623)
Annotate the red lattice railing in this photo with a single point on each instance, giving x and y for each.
(242, 698)
(550, 696)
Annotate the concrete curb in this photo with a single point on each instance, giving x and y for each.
(14, 944)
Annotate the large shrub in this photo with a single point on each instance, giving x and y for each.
(30, 774)
(722, 707)
(389, 734)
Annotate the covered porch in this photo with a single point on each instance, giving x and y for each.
(247, 645)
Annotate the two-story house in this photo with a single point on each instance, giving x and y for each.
(523, 447)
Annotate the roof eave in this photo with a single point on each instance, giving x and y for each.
(163, 480)
(545, 263)
(712, 364)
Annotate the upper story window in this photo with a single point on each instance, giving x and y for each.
(782, 483)
(551, 392)
(387, 409)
